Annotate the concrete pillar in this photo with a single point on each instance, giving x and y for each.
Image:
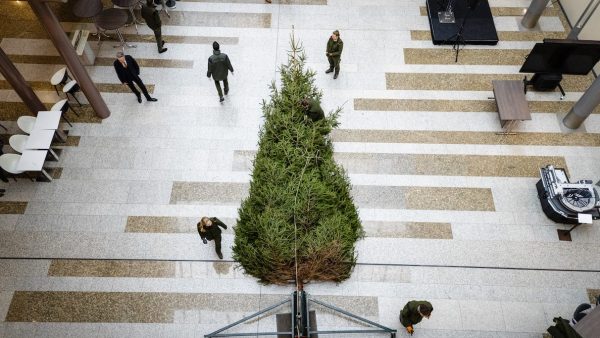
(535, 10)
(65, 49)
(584, 107)
(18, 83)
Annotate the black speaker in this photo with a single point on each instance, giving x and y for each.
(472, 3)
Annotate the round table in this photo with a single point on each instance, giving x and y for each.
(129, 4)
(112, 19)
(87, 8)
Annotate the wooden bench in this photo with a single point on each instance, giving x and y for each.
(511, 102)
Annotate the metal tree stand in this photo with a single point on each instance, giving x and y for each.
(300, 323)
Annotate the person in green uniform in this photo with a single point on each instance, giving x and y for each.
(152, 18)
(413, 312)
(335, 45)
(312, 109)
(208, 228)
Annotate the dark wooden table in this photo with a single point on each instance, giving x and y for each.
(589, 326)
(511, 101)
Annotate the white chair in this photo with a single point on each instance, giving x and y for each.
(17, 142)
(26, 123)
(9, 162)
(71, 88)
(63, 105)
(59, 79)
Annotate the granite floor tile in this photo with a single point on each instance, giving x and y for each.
(456, 105)
(508, 11)
(465, 137)
(102, 87)
(10, 207)
(431, 164)
(220, 19)
(593, 295)
(408, 230)
(106, 268)
(140, 307)
(454, 81)
(11, 111)
(425, 35)
(469, 56)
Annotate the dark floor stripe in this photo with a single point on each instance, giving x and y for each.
(274, 2)
(150, 307)
(456, 105)
(102, 61)
(102, 87)
(220, 19)
(11, 111)
(408, 230)
(183, 39)
(12, 207)
(430, 164)
(72, 141)
(421, 35)
(103, 268)
(377, 197)
(163, 224)
(462, 81)
(467, 56)
(465, 137)
(508, 11)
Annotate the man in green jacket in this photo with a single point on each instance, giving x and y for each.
(335, 45)
(152, 18)
(218, 67)
(413, 312)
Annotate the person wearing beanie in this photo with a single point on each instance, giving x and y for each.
(128, 72)
(150, 14)
(413, 312)
(335, 45)
(218, 67)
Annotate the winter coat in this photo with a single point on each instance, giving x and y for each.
(218, 66)
(410, 315)
(335, 48)
(212, 232)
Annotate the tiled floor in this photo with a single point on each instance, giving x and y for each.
(449, 208)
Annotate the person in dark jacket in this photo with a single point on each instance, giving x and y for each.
(208, 228)
(150, 14)
(413, 312)
(312, 109)
(335, 45)
(128, 72)
(219, 66)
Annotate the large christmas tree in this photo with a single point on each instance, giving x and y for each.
(299, 222)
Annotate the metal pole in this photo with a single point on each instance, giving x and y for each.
(64, 47)
(535, 10)
(16, 80)
(583, 19)
(584, 107)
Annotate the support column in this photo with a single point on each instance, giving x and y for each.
(584, 107)
(18, 83)
(583, 19)
(535, 10)
(65, 49)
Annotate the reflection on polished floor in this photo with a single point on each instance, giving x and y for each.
(109, 247)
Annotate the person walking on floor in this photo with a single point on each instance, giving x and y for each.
(219, 66)
(128, 72)
(413, 312)
(150, 14)
(208, 228)
(335, 45)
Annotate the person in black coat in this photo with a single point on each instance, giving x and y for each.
(152, 19)
(128, 72)
(208, 228)
(219, 66)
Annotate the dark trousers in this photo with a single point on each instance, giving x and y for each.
(334, 63)
(225, 85)
(158, 36)
(218, 245)
(140, 84)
